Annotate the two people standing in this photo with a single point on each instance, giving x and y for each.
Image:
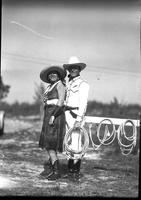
(57, 121)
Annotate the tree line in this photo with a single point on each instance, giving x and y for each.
(94, 108)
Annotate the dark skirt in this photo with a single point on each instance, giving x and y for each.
(52, 136)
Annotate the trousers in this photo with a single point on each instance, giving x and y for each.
(75, 137)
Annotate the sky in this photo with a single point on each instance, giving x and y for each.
(106, 37)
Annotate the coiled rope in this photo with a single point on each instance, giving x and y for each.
(67, 148)
(107, 139)
(107, 135)
(126, 149)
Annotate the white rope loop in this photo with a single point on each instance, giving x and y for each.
(126, 149)
(107, 138)
(133, 137)
(107, 134)
(79, 152)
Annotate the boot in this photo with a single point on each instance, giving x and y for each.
(48, 169)
(70, 165)
(76, 172)
(70, 168)
(77, 166)
(55, 175)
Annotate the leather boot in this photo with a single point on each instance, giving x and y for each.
(48, 169)
(55, 175)
(70, 165)
(76, 172)
(70, 168)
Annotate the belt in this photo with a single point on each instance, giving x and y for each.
(49, 106)
(73, 114)
(70, 108)
(64, 108)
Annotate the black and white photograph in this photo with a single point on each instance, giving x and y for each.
(70, 98)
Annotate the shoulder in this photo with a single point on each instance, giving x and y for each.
(84, 82)
(60, 85)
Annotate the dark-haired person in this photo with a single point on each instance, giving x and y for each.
(53, 128)
(77, 97)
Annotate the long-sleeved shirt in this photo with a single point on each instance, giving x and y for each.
(77, 96)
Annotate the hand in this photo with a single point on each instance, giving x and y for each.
(51, 121)
(77, 124)
(45, 98)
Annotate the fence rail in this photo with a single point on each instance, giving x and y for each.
(116, 121)
(99, 133)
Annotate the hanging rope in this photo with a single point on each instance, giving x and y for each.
(126, 149)
(108, 137)
(126, 143)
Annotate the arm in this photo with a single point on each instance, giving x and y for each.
(83, 98)
(61, 93)
(61, 97)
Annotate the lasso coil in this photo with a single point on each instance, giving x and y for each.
(79, 152)
(108, 137)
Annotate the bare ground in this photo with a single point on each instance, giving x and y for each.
(104, 173)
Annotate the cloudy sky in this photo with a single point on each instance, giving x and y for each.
(106, 38)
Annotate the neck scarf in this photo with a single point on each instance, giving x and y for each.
(50, 87)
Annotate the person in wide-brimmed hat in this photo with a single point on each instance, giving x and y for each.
(76, 98)
(53, 128)
(74, 61)
(47, 70)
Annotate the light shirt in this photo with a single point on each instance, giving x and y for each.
(77, 96)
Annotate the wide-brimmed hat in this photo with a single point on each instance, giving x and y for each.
(47, 70)
(74, 61)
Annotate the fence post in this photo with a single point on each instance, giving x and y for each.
(136, 148)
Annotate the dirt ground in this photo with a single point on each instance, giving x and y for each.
(21, 161)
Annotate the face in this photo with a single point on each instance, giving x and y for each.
(53, 77)
(74, 71)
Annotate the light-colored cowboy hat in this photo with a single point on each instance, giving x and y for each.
(47, 70)
(74, 61)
